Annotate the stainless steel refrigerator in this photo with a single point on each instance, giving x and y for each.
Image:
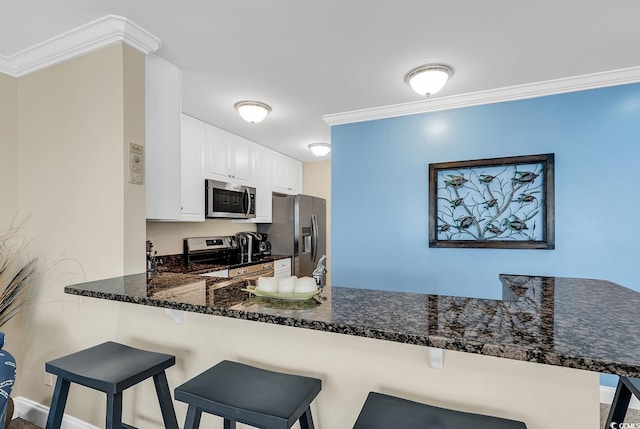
(298, 229)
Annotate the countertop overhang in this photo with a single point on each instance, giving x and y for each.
(571, 322)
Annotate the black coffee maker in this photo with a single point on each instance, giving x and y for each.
(264, 247)
(253, 246)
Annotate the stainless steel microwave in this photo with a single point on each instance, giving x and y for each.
(229, 200)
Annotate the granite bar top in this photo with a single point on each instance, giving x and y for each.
(570, 322)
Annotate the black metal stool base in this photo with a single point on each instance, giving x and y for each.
(245, 394)
(626, 387)
(111, 368)
(387, 412)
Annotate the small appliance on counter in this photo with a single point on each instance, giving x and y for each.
(264, 247)
(253, 246)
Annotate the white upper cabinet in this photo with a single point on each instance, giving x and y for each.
(181, 152)
(192, 196)
(173, 167)
(286, 175)
(261, 161)
(227, 156)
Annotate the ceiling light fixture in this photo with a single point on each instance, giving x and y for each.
(320, 149)
(252, 111)
(428, 79)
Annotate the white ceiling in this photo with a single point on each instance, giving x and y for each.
(311, 58)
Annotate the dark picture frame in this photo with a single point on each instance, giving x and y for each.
(502, 203)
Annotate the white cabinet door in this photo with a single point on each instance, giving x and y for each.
(282, 268)
(240, 160)
(279, 174)
(227, 156)
(173, 147)
(295, 176)
(216, 154)
(287, 175)
(261, 158)
(261, 163)
(162, 141)
(192, 195)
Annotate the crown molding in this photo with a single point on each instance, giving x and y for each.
(519, 92)
(90, 37)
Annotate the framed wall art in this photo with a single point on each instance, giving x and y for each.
(503, 203)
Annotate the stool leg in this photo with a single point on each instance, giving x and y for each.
(164, 397)
(229, 424)
(58, 402)
(619, 405)
(306, 421)
(193, 417)
(114, 411)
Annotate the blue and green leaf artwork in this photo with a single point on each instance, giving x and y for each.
(504, 202)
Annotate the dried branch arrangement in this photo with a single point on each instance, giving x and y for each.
(17, 275)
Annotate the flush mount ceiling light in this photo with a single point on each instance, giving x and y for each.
(428, 79)
(252, 111)
(320, 149)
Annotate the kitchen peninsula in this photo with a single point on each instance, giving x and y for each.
(553, 321)
(550, 330)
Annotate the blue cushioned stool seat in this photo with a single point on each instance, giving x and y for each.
(111, 368)
(250, 395)
(388, 412)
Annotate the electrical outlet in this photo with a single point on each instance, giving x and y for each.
(48, 379)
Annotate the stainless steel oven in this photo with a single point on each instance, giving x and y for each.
(229, 292)
(217, 254)
(249, 272)
(229, 200)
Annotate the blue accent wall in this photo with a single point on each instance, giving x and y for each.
(380, 192)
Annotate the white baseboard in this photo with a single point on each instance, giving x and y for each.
(37, 414)
(607, 393)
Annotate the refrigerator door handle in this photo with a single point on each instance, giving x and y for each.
(314, 232)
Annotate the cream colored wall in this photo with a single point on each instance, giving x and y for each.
(72, 137)
(74, 123)
(8, 150)
(316, 181)
(167, 237)
(9, 188)
(134, 132)
(71, 131)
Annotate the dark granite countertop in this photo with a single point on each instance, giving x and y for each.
(570, 322)
(176, 264)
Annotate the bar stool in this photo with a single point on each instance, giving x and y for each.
(245, 394)
(111, 368)
(619, 406)
(384, 412)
